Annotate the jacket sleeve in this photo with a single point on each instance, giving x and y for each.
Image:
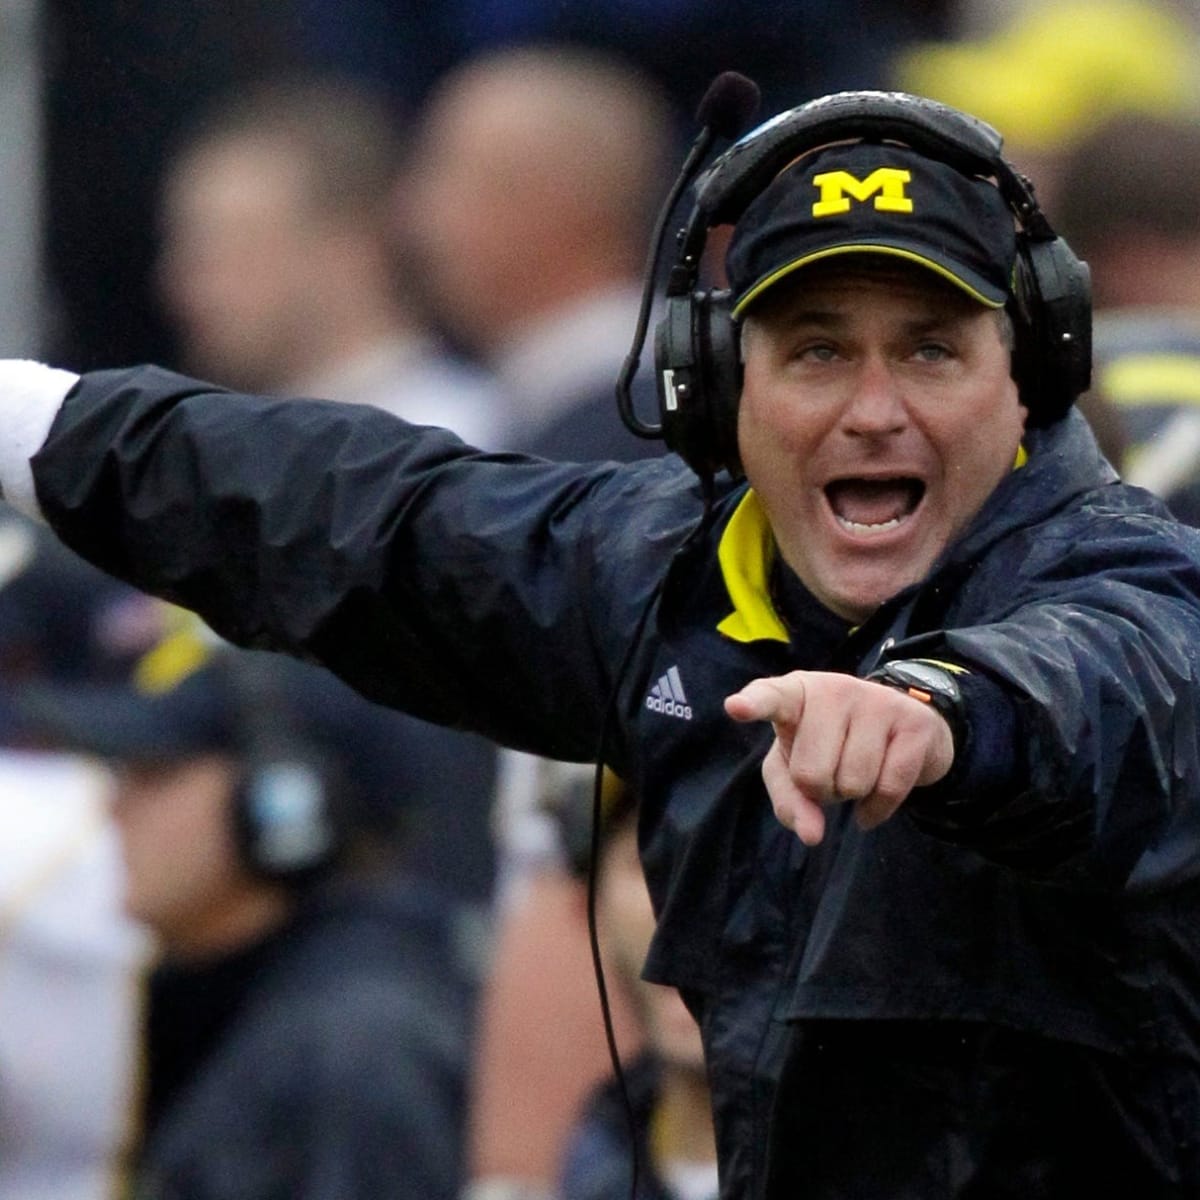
(1091, 670)
(480, 591)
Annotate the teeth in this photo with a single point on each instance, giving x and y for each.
(861, 527)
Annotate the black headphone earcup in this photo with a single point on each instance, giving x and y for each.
(284, 821)
(1053, 355)
(289, 805)
(699, 373)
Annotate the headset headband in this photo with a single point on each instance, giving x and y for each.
(724, 191)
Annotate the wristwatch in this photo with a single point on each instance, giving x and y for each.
(932, 683)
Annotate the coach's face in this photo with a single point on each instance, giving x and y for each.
(877, 414)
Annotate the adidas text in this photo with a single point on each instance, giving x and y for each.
(672, 708)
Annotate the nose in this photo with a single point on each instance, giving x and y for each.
(875, 406)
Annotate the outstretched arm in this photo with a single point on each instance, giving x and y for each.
(430, 576)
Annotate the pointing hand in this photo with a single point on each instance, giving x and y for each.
(839, 739)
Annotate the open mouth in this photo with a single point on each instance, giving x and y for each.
(873, 505)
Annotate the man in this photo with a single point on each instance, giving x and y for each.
(973, 972)
(535, 177)
(307, 1022)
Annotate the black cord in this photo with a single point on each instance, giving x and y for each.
(610, 1036)
(606, 726)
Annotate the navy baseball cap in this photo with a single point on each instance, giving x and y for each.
(189, 698)
(123, 721)
(875, 198)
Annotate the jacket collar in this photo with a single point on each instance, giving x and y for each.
(746, 554)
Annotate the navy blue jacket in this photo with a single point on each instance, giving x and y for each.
(1049, 887)
(327, 1062)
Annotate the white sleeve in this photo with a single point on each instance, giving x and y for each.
(30, 396)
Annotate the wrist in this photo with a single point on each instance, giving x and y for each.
(989, 766)
(931, 682)
(32, 395)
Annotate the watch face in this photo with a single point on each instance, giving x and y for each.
(932, 683)
(929, 677)
(937, 679)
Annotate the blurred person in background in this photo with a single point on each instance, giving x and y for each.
(278, 263)
(279, 269)
(1131, 202)
(72, 963)
(667, 1082)
(308, 1020)
(1049, 72)
(536, 178)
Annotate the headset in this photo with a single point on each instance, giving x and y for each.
(697, 345)
(290, 817)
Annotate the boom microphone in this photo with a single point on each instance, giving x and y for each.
(726, 108)
(728, 105)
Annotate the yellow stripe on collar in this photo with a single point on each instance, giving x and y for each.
(745, 554)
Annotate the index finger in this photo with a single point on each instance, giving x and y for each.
(779, 700)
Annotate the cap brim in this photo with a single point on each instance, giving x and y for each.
(966, 280)
(116, 722)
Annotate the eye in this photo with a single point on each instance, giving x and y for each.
(933, 352)
(814, 352)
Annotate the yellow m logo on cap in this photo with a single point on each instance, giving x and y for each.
(886, 184)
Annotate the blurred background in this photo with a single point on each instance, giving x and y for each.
(106, 88)
(95, 96)
(443, 209)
